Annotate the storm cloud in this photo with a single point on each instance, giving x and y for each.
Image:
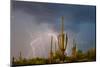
(33, 23)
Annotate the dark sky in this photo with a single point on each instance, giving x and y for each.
(31, 22)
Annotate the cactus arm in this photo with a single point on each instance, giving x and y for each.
(59, 45)
(59, 42)
(66, 41)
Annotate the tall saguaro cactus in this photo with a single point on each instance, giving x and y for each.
(62, 40)
(51, 49)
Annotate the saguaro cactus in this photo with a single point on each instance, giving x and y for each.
(74, 49)
(20, 56)
(62, 40)
(51, 49)
(55, 48)
(13, 59)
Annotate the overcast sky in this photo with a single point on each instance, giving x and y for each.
(33, 23)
